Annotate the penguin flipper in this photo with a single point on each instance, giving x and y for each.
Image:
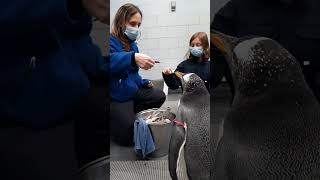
(175, 148)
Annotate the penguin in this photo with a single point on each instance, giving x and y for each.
(272, 130)
(189, 146)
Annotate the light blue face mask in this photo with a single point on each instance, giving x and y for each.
(132, 32)
(196, 51)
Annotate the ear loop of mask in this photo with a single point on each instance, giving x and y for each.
(206, 53)
(139, 35)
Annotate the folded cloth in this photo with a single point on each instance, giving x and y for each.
(143, 141)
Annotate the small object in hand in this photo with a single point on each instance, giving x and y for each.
(157, 61)
(179, 74)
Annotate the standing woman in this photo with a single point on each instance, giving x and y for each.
(129, 92)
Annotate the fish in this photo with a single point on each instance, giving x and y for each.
(157, 117)
(179, 74)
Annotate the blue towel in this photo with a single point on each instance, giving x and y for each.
(143, 141)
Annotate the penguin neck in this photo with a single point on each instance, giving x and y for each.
(199, 99)
(275, 82)
(199, 91)
(270, 114)
(272, 88)
(277, 94)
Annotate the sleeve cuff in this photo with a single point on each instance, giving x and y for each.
(133, 61)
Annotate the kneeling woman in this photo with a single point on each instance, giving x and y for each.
(129, 92)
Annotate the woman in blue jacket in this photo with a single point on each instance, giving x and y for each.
(129, 92)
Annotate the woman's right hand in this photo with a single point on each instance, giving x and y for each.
(167, 71)
(144, 61)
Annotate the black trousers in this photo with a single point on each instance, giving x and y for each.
(38, 154)
(122, 115)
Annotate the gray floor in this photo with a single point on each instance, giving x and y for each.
(142, 170)
(139, 170)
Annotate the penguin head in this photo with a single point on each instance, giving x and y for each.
(257, 63)
(191, 82)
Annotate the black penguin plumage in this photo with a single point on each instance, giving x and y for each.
(193, 141)
(272, 130)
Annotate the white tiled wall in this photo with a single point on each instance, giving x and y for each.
(165, 35)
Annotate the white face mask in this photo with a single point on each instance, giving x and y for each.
(196, 51)
(132, 32)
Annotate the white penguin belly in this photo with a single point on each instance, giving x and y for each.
(181, 163)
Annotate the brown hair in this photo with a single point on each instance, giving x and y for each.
(205, 45)
(124, 13)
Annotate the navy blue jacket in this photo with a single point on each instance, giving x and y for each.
(124, 73)
(202, 69)
(46, 61)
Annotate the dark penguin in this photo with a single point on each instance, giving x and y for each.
(272, 130)
(190, 140)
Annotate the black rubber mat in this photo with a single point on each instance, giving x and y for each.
(140, 170)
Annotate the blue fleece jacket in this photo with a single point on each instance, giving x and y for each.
(125, 79)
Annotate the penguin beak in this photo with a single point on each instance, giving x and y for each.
(223, 42)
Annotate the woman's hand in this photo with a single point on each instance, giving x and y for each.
(144, 61)
(167, 71)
